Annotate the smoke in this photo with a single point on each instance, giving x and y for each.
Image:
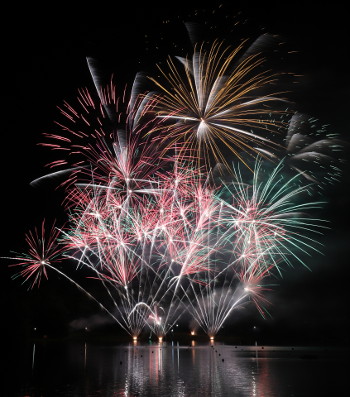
(91, 322)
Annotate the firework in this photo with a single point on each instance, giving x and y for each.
(104, 133)
(220, 100)
(205, 250)
(157, 228)
(313, 151)
(263, 226)
(142, 253)
(43, 252)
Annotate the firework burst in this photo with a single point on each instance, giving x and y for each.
(313, 151)
(217, 101)
(44, 252)
(262, 227)
(102, 137)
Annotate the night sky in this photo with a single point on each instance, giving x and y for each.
(44, 62)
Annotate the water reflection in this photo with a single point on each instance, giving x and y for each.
(33, 356)
(169, 369)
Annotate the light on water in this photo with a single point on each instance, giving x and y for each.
(171, 369)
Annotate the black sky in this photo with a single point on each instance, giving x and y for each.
(44, 63)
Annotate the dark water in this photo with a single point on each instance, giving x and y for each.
(82, 369)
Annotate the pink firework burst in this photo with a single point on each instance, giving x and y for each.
(44, 251)
(103, 139)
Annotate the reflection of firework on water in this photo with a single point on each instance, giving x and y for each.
(218, 100)
(157, 232)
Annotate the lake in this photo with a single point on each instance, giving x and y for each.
(171, 369)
